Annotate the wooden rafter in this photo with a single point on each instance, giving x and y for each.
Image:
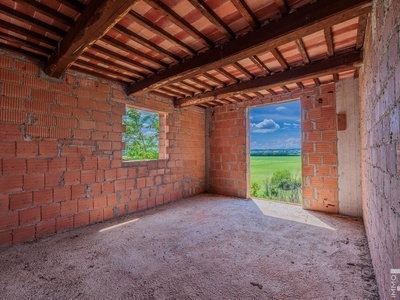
(300, 85)
(137, 38)
(73, 4)
(101, 75)
(214, 79)
(31, 21)
(127, 60)
(25, 43)
(93, 66)
(362, 24)
(316, 81)
(124, 47)
(179, 21)
(47, 11)
(258, 62)
(285, 89)
(283, 7)
(227, 74)
(335, 77)
(243, 70)
(92, 24)
(303, 51)
(202, 83)
(329, 41)
(22, 51)
(271, 91)
(306, 20)
(142, 21)
(28, 33)
(192, 86)
(247, 13)
(278, 56)
(335, 64)
(211, 16)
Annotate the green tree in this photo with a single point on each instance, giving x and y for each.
(141, 135)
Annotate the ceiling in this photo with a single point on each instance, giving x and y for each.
(196, 52)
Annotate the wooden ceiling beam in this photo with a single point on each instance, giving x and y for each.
(97, 74)
(243, 70)
(142, 21)
(73, 4)
(329, 41)
(202, 83)
(334, 64)
(47, 11)
(179, 21)
(24, 18)
(362, 24)
(138, 39)
(139, 66)
(192, 86)
(25, 43)
(259, 63)
(214, 79)
(227, 74)
(124, 47)
(316, 81)
(304, 21)
(117, 72)
(283, 7)
(22, 51)
(303, 51)
(278, 56)
(247, 13)
(91, 25)
(212, 17)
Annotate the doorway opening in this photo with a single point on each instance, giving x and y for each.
(275, 152)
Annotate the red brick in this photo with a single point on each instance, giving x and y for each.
(12, 103)
(65, 100)
(11, 183)
(331, 183)
(72, 177)
(4, 202)
(322, 147)
(85, 204)
(23, 234)
(84, 124)
(328, 111)
(120, 185)
(8, 220)
(14, 90)
(51, 211)
(43, 96)
(110, 174)
(314, 136)
(10, 132)
(36, 165)
(45, 228)
(64, 223)
(81, 220)
(14, 166)
(20, 200)
(60, 133)
(67, 123)
(107, 187)
(30, 215)
(103, 162)
(62, 193)
(58, 164)
(329, 159)
(43, 196)
(12, 116)
(69, 207)
(96, 216)
(7, 149)
(33, 182)
(100, 202)
(88, 176)
(108, 213)
(329, 135)
(104, 145)
(323, 171)
(317, 182)
(37, 106)
(90, 163)
(52, 180)
(5, 238)
(74, 163)
(78, 191)
(35, 82)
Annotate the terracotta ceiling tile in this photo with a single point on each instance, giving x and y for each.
(292, 86)
(326, 79)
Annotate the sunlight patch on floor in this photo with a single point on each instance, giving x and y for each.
(118, 225)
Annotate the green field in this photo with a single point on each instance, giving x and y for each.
(263, 166)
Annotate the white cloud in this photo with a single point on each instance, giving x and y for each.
(289, 143)
(280, 108)
(267, 125)
(286, 124)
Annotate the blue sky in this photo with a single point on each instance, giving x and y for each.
(275, 126)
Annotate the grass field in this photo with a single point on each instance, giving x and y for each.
(263, 166)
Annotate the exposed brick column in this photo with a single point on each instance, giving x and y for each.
(319, 147)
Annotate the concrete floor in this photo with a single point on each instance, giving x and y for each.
(205, 247)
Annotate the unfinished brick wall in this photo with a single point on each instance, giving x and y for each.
(61, 164)
(380, 140)
(228, 131)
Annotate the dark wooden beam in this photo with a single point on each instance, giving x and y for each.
(22, 42)
(211, 16)
(258, 62)
(283, 7)
(202, 83)
(306, 20)
(285, 89)
(22, 51)
(247, 13)
(272, 92)
(316, 81)
(335, 64)
(362, 24)
(278, 56)
(335, 77)
(28, 33)
(300, 85)
(179, 21)
(192, 86)
(138, 39)
(142, 21)
(329, 41)
(112, 71)
(129, 49)
(227, 74)
(243, 70)
(134, 63)
(73, 4)
(47, 11)
(91, 25)
(303, 51)
(24, 18)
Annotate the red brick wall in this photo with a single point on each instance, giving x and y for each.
(228, 131)
(380, 136)
(61, 164)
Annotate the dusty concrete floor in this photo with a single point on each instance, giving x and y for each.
(205, 247)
